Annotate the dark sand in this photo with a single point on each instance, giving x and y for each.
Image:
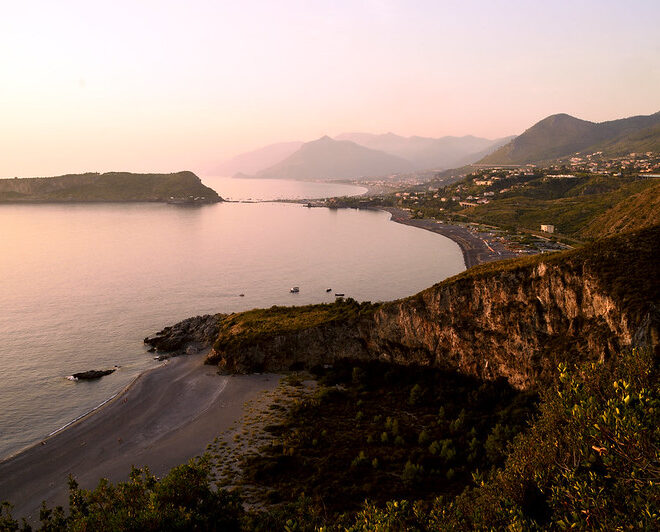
(167, 416)
(475, 249)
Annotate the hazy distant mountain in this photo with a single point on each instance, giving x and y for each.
(426, 153)
(562, 135)
(326, 158)
(253, 161)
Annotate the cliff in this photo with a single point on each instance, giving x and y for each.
(514, 319)
(111, 186)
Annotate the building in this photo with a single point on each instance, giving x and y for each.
(548, 228)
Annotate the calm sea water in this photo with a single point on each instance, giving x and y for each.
(82, 285)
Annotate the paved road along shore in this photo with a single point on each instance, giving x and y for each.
(475, 249)
(167, 416)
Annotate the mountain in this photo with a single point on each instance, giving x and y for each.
(256, 160)
(111, 186)
(563, 135)
(429, 153)
(326, 158)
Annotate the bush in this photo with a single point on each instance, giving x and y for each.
(412, 473)
(182, 500)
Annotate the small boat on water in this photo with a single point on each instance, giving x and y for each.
(295, 290)
(328, 289)
(339, 295)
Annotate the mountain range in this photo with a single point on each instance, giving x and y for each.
(561, 135)
(351, 155)
(251, 162)
(326, 158)
(429, 153)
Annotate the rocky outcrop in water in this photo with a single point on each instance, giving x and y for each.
(187, 336)
(516, 319)
(92, 374)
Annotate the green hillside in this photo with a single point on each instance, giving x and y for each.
(559, 136)
(111, 186)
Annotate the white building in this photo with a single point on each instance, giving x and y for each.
(548, 228)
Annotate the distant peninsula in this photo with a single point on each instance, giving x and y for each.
(180, 187)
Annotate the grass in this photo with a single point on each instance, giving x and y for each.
(259, 325)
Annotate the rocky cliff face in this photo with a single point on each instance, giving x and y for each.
(518, 324)
(516, 319)
(196, 333)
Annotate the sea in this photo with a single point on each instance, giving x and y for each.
(81, 285)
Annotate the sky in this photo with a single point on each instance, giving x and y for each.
(158, 85)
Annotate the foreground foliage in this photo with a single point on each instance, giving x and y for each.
(372, 430)
(590, 460)
(182, 500)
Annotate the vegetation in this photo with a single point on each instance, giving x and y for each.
(258, 325)
(625, 266)
(182, 500)
(569, 204)
(589, 459)
(585, 206)
(375, 429)
(111, 186)
(562, 135)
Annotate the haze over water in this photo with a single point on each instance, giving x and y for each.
(82, 285)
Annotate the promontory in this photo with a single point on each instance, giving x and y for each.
(179, 187)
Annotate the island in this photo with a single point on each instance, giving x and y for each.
(177, 188)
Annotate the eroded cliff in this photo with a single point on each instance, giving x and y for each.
(514, 319)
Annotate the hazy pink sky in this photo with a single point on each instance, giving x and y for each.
(166, 85)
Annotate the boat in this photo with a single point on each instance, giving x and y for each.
(328, 289)
(339, 295)
(295, 290)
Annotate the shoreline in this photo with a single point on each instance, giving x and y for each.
(163, 418)
(475, 249)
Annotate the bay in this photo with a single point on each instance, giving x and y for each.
(82, 285)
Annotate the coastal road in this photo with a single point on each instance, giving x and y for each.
(167, 416)
(475, 249)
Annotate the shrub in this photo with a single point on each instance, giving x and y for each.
(412, 473)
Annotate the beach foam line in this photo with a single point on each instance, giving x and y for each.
(85, 414)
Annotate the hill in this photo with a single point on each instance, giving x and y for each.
(634, 211)
(251, 162)
(429, 153)
(110, 186)
(559, 136)
(326, 158)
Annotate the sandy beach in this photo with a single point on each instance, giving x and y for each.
(475, 249)
(165, 417)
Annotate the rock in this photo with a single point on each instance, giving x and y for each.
(92, 374)
(199, 332)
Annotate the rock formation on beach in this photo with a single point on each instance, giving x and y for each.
(193, 333)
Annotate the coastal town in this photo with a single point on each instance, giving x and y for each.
(483, 199)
